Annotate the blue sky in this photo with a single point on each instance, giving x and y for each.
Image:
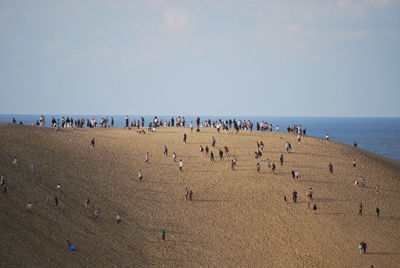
(236, 57)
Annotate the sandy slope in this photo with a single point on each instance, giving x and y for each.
(237, 218)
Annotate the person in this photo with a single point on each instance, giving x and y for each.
(315, 209)
(212, 156)
(207, 150)
(165, 150)
(96, 214)
(293, 174)
(146, 158)
(273, 167)
(58, 186)
(377, 212)
(330, 167)
(180, 165)
(226, 151)
(377, 190)
(298, 138)
(309, 194)
(92, 142)
(296, 175)
(258, 167)
(356, 183)
(190, 195)
(163, 234)
(284, 199)
(118, 218)
(354, 164)
(174, 157)
(4, 188)
(294, 195)
(184, 138)
(140, 175)
(327, 136)
(361, 248)
(15, 162)
(126, 122)
(29, 207)
(186, 193)
(268, 163)
(364, 247)
(233, 165)
(3, 180)
(56, 201)
(360, 209)
(362, 181)
(262, 145)
(32, 165)
(191, 126)
(221, 155)
(281, 159)
(87, 203)
(287, 147)
(234, 160)
(201, 150)
(213, 142)
(355, 144)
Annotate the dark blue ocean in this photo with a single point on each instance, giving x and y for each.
(380, 135)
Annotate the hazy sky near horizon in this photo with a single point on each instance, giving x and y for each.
(228, 57)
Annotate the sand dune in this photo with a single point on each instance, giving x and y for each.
(236, 218)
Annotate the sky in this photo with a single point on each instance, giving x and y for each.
(227, 57)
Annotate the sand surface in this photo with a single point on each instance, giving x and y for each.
(236, 218)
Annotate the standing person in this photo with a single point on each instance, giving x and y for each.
(234, 160)
(296, 175)
(146, 158)
(355, 144)
(186, 193)
(3, 180)
(298, 138)
(330, 167)
(233, 165)
(377, 212)
(191, 126)
(165, 150)
(56, 201)
(293, 174)
(184, 138)
(364, 247)
(87, 203)
(315, 209)
(268, 163)
(118, 218)
(96, 214)
(58, 186)
(273, 167)
(126, 121)
(258, 166)
(180, 165)
(5, 188)
(190, 195)
(29, 207)
(32, 165)
(213, 141)
(140, 175)
(354, 164)
(201, 150)
(92, 142)
(294, 195)
(281, 159)
(361, 248)
(163, 234)
(207, 150)
(360, 209)
(212, 156)
(327, 136)
(174, 157)
(362, 181)
(112, 121)
(15, 162)
(377, 190)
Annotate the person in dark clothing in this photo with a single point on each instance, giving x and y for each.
(163, 234)
(92, 142)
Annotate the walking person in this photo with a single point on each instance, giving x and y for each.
(165, 150)
(140, 175)
(174, 157)
(92, 142)
(186, 194)
(330, 167)
(56, 201)
(360, 209)
(184, 138)
(377, 212)
(292, 174)
(362, 181)
(233, 165)
(294, 196)
(212, 156)
(146, 159)
(258, 167)
(180, 165)
(118, 219)
(281, 159)
(190, 195)
(354, 164)
(29, 207)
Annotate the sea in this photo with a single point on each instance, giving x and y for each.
(380, 135)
